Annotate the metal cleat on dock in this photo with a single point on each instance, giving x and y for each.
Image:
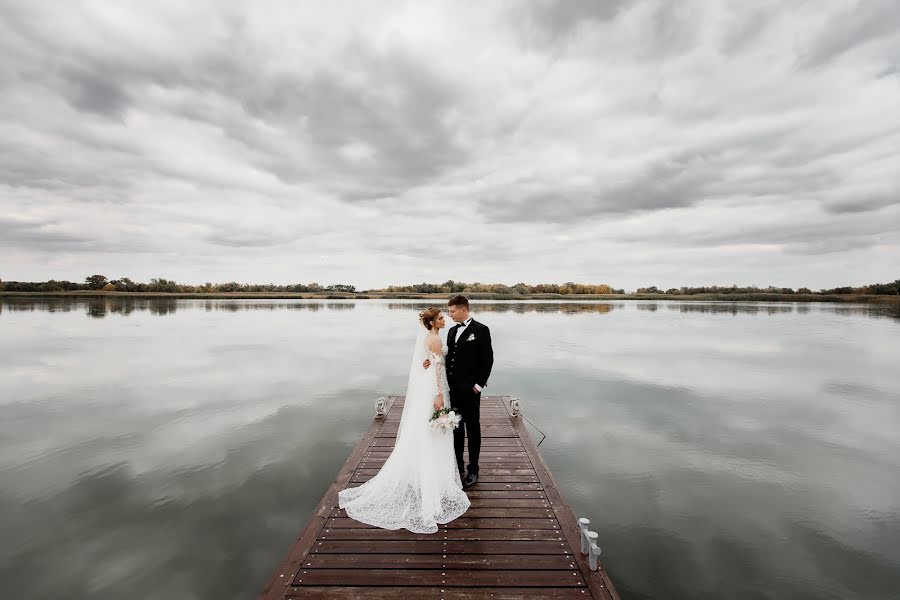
(589, 545)
(514, 406)
(380, 407)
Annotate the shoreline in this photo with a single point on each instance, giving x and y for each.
(761, 297)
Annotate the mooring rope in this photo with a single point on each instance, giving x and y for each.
(536, 427)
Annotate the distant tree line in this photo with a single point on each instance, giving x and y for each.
(458, 287)
(871, 289)
(124, 284)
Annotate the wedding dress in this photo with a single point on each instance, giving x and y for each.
(418, 486)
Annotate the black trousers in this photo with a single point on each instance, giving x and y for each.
(468, 403)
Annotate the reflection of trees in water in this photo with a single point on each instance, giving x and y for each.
(126, 306)
(96, 308)
(884, 310)
(341, 305)
(541, 307)
(892, 309)
(732, 308)
(889, 310)
(123, 305)
(14, 304)
(99, 308)
(163, 306)
(232, 306)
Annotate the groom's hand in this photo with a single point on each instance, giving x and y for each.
(426, 364)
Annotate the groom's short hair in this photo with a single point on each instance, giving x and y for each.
(459, 301)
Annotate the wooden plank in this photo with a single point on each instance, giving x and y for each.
(479, 493)
(436, 546)
(391, 430)
(449, 593)
(485, 451)
(485, 461)
(499, 425)
(446, 534)
(493, 442)
(489, 440)
(485, 456)
(506, 487)
(481, 502)
(509, 513)
(439, 577)
(497, 429)
(486, 478)
(541, 522)
(488, 512)
(486, 465)
(482, 472)
(439, 561)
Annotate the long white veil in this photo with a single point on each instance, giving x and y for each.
(421, 383)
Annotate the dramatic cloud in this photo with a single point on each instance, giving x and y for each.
(633, 142)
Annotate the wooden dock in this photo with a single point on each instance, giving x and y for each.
(519, 539)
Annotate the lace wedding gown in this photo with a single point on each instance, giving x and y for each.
(418, 486)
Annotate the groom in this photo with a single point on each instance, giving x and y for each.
(469, 361)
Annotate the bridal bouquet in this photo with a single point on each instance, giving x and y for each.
(444, 420)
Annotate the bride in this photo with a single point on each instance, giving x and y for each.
(418, 486)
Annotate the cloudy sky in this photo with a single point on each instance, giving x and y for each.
(632, 142)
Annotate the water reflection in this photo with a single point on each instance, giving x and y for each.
(568, 308)
(732, 308)
(717, 447)
(124, 306)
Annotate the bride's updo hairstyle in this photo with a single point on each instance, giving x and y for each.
(428, 316)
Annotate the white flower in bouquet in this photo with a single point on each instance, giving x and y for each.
(444, 420)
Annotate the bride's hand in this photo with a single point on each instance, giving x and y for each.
(439, 402)
(426, 364)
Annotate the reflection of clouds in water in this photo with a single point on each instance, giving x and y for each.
(632, 455)
(170, 392)
(741, 419)
(747, 354)
(114, 529)
(663, 450)
(737, 401)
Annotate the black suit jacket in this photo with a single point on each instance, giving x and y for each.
(469, 361)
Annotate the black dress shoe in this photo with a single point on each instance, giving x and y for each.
(471, 478)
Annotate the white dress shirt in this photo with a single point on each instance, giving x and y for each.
(462, 327)
(459, 333)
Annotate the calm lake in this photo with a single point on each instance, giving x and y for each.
(173, 449)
